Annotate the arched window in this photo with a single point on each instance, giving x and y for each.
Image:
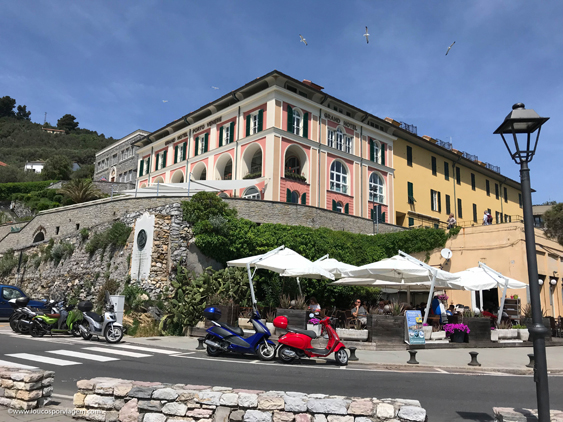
(338, 177)
(39, 237)
(293, 165)
(296, 122)
(375, 151)
(256, 163)
(251, 193)
(339, 139)
(339, 207)
(203, 175)
(228, 172)
(376, 186)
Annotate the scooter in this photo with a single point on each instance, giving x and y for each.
(63, 320)
(224, 338)
(24, 312)
(98, 325)
(296, 343)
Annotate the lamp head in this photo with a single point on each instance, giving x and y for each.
(524, 122)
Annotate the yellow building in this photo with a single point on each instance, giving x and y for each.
(433, 180)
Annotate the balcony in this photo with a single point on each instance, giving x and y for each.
(447, 145)
(493, 168)
(410, 128)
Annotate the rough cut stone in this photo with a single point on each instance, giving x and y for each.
(222, 389)
(317, 396)
(208, 397)
(121, 390)
(112, 416)
(319, 418)
(47, 391)
(229, 399)
(283, 416)
(305, 417)
(361, 407)
(247, 400)
(222, 414)
(236, 416)
(328, 406)
(129, 412)
(21, 404)
(186, 395)
(150, 405)
(154, 417)
(28, 395)
(295, 394)
(10, 393)
(33, 377)
(6, 383)
(141, 392)
(17, 376)
(85, 385)
(47, 381)
(270, 402)
(333, 418)
(385, 411)
(175, 409)
(412, 413)
(165, 394)
(362, 419)
(78, 400)
(257, 416)
(99, 402)
(199, 413)
(295, 404)
(20, 385)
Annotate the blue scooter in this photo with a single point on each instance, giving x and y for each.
(225, 338)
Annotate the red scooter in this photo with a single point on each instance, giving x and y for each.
(296, 343)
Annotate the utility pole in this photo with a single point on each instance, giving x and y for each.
(45, 119)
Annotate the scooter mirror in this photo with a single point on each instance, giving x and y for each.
(311, 315)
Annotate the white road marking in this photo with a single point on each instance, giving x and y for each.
(117, 352)
(146, 349)
(62, 396)
(73, 354)
(17, 365)
(44, 359)
(441, 370)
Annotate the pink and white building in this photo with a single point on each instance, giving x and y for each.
(299, 143)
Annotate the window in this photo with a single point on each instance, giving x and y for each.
(520, 200)
(251, 193)
(435, 201)
(296, 122)
(434, 170)
(377, 151)
(226, 134)
(348, 148)
(293, 165)
(497, 216)
(505, 194)
(376, 184)
(201, 144)
(409, 156)
(458, 175)
(338, 207)
(411, 221)
(459, 208)
(446, 170)
(496, 191)
(8, 293)
(339, 138)
(377, 215)
(488, 187)
(338, 177)
(448, 207)
(254, 122)
(330, 138)
(474, 213)
(410, 193)
(228, 172)
(472, 181)
(256, 163)
(505, 218)
(77, 226)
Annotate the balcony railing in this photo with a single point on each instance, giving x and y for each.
(447, 145)
(470, 156)
(410, 128)
(493, 168)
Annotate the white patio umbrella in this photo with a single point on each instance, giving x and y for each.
(284, 261)
(334, 266)
(385, 286)
(403, 268)
(483, 278)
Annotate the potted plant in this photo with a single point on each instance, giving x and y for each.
(523, 333)
(314, 325)
(443, 298)
(505, 332)
(437, 333)
(427, 331)
(456, 332)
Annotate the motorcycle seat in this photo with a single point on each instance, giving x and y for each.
(95, 317)
(236, 330)
(53, 315)
(309, 333)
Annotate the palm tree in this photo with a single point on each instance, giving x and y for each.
(80, 190)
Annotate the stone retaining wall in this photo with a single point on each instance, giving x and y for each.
(132, 401)
(25, 388)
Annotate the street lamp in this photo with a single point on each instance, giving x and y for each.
(523, 123)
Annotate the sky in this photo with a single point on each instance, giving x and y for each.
(113, 64)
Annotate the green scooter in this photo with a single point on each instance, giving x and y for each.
(65, 321)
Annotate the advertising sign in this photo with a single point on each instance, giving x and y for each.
(414, 331)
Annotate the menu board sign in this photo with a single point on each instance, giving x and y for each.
(413, 329)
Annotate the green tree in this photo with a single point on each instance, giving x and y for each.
(84, 172)
(22, 113)
(57, 167)
(7, 105)
(554, 222)
(68, 123)
(80, 190)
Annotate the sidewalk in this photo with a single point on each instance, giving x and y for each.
(509, 359)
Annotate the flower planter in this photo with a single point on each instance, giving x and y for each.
(457, 337)
(314, 327)
(546, 322)
(494, 335)
(480, 328)
(296, 318)
(523, 334)
(352, 334)
(427, 332)
(438, 335)
(387, 329)
(507, 334)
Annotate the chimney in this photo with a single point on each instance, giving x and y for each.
(392, 121)
(313, 85)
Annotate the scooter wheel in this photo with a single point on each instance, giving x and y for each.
(23, 328)
(86, 335)
(341, 357)
(14, 324)
(283, 356)
(36, 330)
(113, 334)
(266, 351)
(213, 351)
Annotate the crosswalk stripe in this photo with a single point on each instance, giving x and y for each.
(43, 359)
(18, 365)
(117, 352)
(146, 349)
(73, 354)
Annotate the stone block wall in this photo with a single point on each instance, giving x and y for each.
(25, 388)
(110, 399)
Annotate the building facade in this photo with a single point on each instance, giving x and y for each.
(118, 162)
(34, 166)
(305, 146)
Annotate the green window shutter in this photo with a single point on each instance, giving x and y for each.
(431, 200)
(141, 167)
(383, 217)
(439, 202)
(164, 158)
(371, 214)
(288, 195)
(411, 221)
(260, 120)
(410, 192)
(371, 150)
(289, 119)
(346, 209)
(232, 137)
(333, 205)
(184, 151)
(383, 149)
(175, 154)
(306, 125)
(206, 143)
(221, 136)
(148, 165)
(304, 199)
(156, 162)
(409, 156)
(248, 125)
(196, 146)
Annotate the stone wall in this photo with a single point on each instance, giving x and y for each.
(66, 221)
(25, 388)
(7, 228)
(123, 400)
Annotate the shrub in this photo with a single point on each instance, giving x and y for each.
(60, 251)
(114, 237)
(111, 286)
(7, 190)
(135, 297)
(8, 262)
(84, 234)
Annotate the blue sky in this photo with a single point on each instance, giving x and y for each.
(111, 64)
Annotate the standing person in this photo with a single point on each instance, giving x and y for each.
(451, 221)
(486, 218)
(359, 312)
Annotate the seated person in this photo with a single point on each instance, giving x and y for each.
(359, 312)
(451, 310)
(379, 310)
(314, 305)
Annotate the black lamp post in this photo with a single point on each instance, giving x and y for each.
(523, 123)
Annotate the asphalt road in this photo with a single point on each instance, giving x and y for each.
(446, 397)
